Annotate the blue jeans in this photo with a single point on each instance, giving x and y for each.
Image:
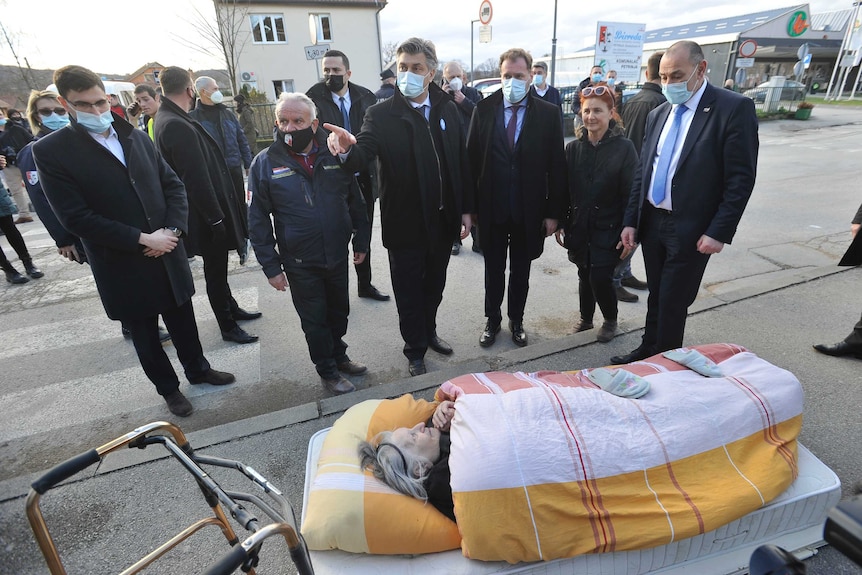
(623, 269)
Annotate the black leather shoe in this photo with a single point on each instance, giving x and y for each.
(372, 292)
(338, 385)
(33, 271)
(625, 295)
(439, 345)
(639, 353)
(13, 277)
(519, 336)
(164, 336)
(476, 249)
(416, 367)
(213, 377)
(351, 367)
(840, 349)
(489, 335)
(456, 249)
(238, 335)
(178, 404)
(634, 283)
(241, 314)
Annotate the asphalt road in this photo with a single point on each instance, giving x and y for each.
(71, 382)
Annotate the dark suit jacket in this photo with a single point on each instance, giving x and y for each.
(542, 184)
(637, 110)
(197, 159)
(853, 255)
(411, 164)
(108, 205)
(716, 170)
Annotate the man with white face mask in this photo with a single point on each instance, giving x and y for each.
(695, 176)
(223, 125)
(426, 194)
(515, 147)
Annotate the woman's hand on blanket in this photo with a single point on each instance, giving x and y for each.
(443, 415)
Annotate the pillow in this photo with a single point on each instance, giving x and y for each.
(351, 510)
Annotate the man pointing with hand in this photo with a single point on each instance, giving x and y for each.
(426, 193)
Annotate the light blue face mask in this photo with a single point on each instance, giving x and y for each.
(55, 121)
(596, 78)
(538, 79)
(411, 85)
(611, 81)
(678, 93)
(96, 123)
(3, 121)
(514, 90)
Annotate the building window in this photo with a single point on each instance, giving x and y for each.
(321, 27)
(268, 28)
(282, 86)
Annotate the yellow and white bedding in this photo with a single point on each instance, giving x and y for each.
(547, 465)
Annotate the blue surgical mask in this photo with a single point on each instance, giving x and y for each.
(612, 81)
(54, 121)
(411, 85)
(596, 78)
(514, 90)
(678, 93)
(96, 123)
(538, 79)
(2, 121)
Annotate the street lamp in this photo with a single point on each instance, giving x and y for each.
(472, 73)
(554, 46)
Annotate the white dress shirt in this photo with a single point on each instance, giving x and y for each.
(111, 143)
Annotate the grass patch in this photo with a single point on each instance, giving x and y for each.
(820, 99)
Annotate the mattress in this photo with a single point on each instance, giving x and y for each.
(794, 521)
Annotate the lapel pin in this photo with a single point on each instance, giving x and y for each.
(707, 109)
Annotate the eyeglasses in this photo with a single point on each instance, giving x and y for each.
(594, 91)
(96, 106)
(60, 111)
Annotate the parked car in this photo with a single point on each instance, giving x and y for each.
(486, 86)
(791, 91)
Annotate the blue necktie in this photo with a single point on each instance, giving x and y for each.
(345, 115)
(667, 150)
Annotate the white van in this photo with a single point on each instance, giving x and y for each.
(125, 90)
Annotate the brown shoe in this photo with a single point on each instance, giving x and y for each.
(23, 220)
(583, 325)
(338, 385)
(607, 331)
(213, 377)
(351, 367)
(625, 295)
(178, 404)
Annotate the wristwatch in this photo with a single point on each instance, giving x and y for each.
(176, 231)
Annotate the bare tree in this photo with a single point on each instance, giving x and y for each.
(224, 37)
(26, 74)
(490, 68)
(388, 51)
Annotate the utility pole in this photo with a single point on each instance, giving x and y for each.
(554, 47)
(472, 67)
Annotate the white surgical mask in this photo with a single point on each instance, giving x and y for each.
(456, 84)
(514, 90)
(410, 84)
(217, 97)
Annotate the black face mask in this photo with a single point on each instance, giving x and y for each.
(298, 140)
(334, 83)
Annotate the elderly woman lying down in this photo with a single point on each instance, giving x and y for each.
(549, 465)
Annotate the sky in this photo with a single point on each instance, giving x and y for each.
(125, 35)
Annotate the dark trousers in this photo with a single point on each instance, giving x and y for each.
(15, 240)
(181, 324)
(320, 298)
(674, 273)
(596, 284)
(236, 177)
(511, 239)
(214, 254)
(418, 280)
(363, 270)
(855, 338)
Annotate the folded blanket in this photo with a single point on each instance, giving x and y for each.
(547, 465)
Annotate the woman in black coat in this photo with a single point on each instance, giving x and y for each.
(601, 164)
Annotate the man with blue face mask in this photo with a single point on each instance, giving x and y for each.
(426, 192)
(110, 187)
(515, 146)
(695, 176)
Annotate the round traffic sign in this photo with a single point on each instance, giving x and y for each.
(748, 48)
(485, 12)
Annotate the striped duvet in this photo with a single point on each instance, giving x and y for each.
(546, 465)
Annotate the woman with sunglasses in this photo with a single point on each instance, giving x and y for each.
(601, 164)
(46, 115)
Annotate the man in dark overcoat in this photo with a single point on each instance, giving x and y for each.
(216, 225)
(520, 173)
(425, 190)
(109, 186)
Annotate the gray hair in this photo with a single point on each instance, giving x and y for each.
(387, 465)
(288, 97)
(202, 82)
(420, 46)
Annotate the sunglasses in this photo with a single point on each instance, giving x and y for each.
(48, 111)
(597, 91)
